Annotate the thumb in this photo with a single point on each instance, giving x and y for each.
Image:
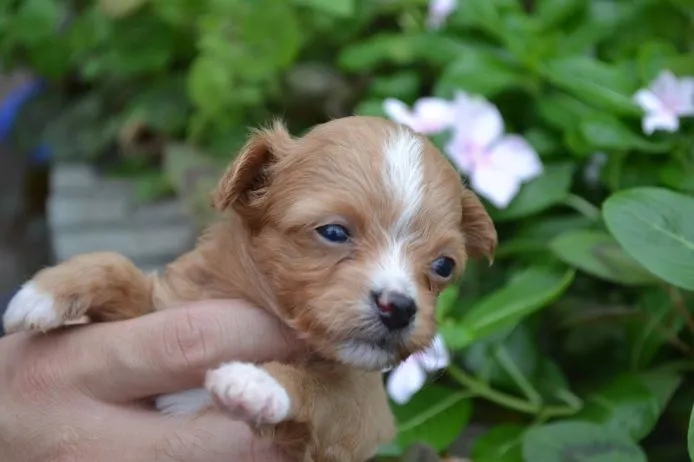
(171, 350)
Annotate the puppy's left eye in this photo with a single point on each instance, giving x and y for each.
(443, 267)
(337, 234)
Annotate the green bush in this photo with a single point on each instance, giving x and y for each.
(578, 342)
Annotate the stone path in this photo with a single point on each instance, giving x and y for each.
(88, 213)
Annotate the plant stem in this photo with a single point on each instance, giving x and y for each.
(678, 302)
(483, 390)
(582, 206)
(522, 382)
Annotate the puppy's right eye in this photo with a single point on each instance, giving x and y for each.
(337, 234)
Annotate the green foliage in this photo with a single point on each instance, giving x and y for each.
(665, 220)
(580, 441)
(576, 343)
(592, 268)
(435, 415)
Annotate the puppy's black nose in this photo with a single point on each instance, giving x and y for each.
(395, 308)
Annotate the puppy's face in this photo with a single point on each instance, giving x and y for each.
(358, 226)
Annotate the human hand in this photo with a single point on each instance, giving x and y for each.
(76, 394)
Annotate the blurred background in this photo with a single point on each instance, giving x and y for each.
(117, 117)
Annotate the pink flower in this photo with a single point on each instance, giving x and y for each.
(439, 11)
(428, 115)
(496, 164)
(667, 99)
(409, 377)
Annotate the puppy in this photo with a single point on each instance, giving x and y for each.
(347, 234)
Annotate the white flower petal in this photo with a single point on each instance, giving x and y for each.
(439, 10)
(406, 380)
(435, 357)
(648, 101)
(686, 94)
(460, 152)
(432, 115)
(665, 86)
(397, 111)
(478, 121)
(517, 157)
(496, 185)
(666, 121)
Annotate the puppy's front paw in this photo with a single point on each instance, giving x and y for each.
(31, 309)
(249, 393)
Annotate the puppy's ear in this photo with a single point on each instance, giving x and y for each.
(247, 178)
(479, 230)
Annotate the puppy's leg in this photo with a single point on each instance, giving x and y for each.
(102, 286)
(341, 414)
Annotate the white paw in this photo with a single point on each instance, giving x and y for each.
(249, 393)
(188, 402)
(31, 309)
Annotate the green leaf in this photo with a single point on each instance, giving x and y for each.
(120, 8)
(163, 106)
(606, 132)
(543, 141)
(435, 416)
(677, 176)
(506, 359)
(553, 385)
(35, 21)
(597, 253)
(529, 291)
(446, 301)
(631, 403)
(370, 107)
(580, 442)
(480, 71)
(541, 193)
(648, 332)
(561, 111)
(554, 12)
(208, 84)
(502, 443)
(400, 49)
(656, 227)
(550, 227)
(403, 85)
(690, 436)
(341, 8)
(595, 82)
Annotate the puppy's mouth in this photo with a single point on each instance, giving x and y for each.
(371, 354)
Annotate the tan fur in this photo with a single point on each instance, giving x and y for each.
(264, 250)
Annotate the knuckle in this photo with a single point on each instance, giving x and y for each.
(186, 343)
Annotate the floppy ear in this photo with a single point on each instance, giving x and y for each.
(479, 230)
(245, 181)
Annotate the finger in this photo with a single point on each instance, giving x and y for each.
(171, 350)
(138, 435)
(214, 437)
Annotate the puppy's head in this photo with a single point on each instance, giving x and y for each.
(357, 226)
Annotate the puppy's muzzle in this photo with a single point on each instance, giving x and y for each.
(395, 309)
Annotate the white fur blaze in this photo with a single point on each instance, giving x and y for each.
(31, 309)
(249, 393)
(404, 174)
(393, 272)
(188, 402)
